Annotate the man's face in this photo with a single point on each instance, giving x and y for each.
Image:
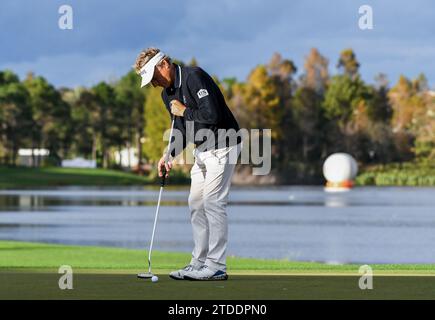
(162, 75)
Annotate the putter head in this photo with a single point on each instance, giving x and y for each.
(147, 275)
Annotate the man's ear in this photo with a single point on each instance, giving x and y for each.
(163, 64)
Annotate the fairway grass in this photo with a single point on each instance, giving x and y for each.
(30, 271)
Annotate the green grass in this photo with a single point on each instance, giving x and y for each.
(42, 256)
(398, 174)
(20, 177)
(30, 271)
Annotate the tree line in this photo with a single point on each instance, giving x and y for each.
(311, 116)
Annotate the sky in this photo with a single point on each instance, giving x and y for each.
(228, 38)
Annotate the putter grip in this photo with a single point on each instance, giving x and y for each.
(162, 182)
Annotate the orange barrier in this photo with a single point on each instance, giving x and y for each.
(346, 184)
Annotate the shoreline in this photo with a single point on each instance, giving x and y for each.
(398, 175)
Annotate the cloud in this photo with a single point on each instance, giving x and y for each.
(71, 70)
(227, 37)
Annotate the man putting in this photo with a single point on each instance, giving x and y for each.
(190, 94)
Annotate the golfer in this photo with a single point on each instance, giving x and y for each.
(190, 94)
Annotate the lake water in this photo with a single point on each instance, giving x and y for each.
(365, 225)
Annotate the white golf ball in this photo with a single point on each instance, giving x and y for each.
(155, 279)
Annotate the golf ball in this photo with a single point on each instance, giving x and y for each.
(155, 279)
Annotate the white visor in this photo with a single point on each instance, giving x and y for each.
(147, 70)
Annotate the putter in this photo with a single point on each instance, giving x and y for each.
(149, 274)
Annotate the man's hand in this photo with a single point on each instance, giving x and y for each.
(162, 164)
(177, 108)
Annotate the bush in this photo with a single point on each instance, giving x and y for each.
(398, 174)
(51, 161)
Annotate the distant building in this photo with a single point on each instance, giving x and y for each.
(25, 156)
(127, 157)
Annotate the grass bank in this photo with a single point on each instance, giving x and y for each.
(23, 177)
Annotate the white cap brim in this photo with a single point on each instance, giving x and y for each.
(146, 78)
(147, 71)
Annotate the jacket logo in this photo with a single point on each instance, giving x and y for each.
(184, 99)
(202, 93)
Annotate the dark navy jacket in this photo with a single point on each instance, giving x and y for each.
(204, 101)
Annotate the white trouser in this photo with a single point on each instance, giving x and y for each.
(211, 179)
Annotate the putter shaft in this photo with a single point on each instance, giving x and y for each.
(162, 184)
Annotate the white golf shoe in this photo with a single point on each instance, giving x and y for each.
(205, 273)
(179, 274)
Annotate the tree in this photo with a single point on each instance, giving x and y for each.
(260, 100)
(51, 117)
(308, 117)
(15, 115)
(81, 121)
(103, 115)
(381, 108)
(407, 99)
(346, 107)
(372, 123)
(130, 97)
(281, 72)
(402, 97)
(316, 72)
(343, 96)
(157, 121)
(424, 148)
(264, 102)
(413, 118)
(307, 106)
(348, 63)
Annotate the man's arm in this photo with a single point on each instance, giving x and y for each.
(174, 148)
(202, 89)
(177, 125)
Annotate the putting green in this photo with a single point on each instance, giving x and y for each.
(30, 270)
(24, 285)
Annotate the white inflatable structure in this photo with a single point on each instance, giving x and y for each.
(339, 169)
(79, 163)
